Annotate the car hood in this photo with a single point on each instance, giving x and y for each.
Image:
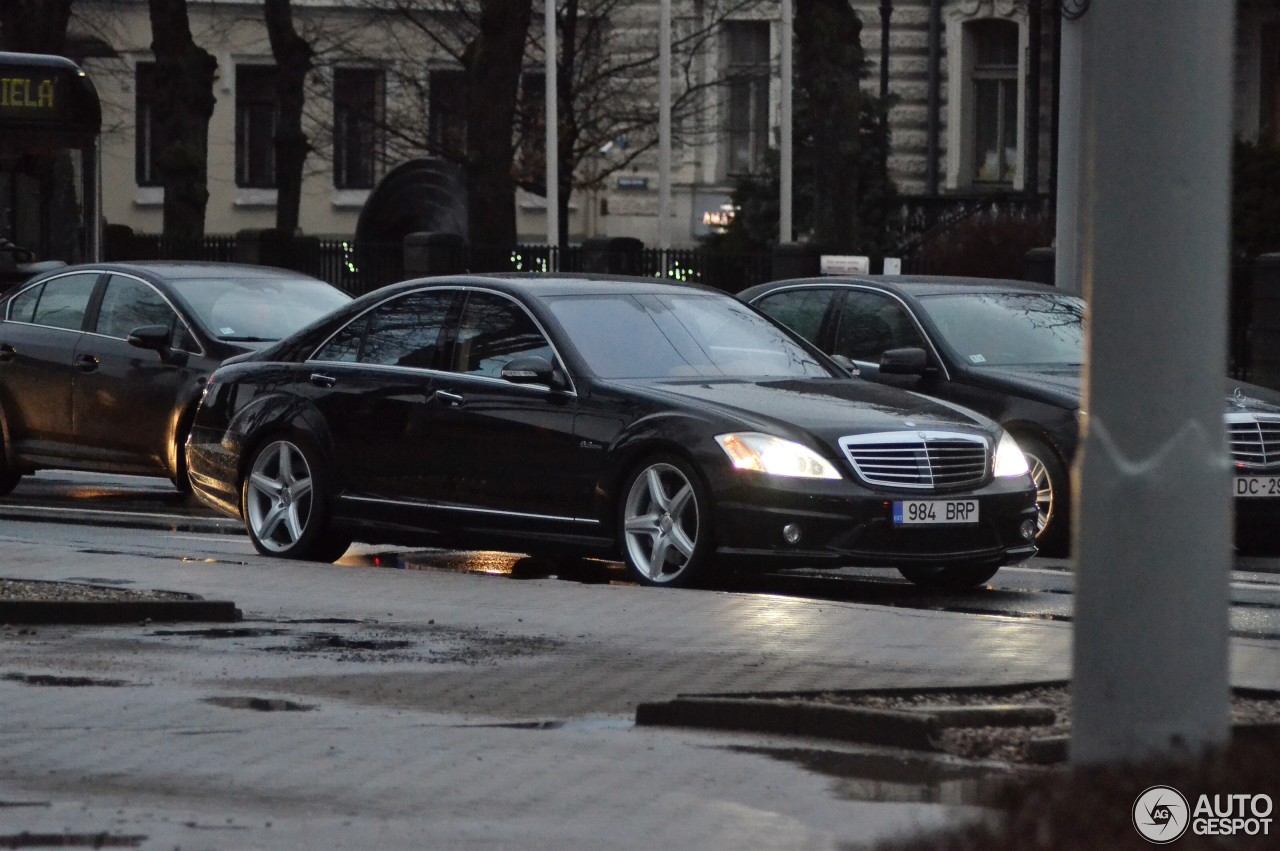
(1055, 384)
(1064, 386)
(828, 408)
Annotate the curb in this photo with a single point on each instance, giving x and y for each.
(892, 728)
(123, 519)
(96, 612)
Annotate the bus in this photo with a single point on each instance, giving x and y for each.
(50, 191)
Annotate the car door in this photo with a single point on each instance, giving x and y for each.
(126, 401)
(373, 383)
(508, 451)
(38, 341)
(868, 323)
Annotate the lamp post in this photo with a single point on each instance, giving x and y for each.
(886, 12)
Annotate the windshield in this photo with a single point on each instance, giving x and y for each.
(666, 336)
(1010, 329)
(257, 309)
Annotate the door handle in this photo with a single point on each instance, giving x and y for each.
(321, 380)
(453, 400)
(86, 363)
(7, 352)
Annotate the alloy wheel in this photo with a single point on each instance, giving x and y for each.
(660, 523)
(278, 496)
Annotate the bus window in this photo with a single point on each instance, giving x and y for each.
(50, 210)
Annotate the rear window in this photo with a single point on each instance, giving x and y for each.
(257, 309)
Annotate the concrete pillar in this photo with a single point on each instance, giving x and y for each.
(1154, 536)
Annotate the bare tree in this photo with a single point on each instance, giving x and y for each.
(294, 61)
(607, 75)
(34, 26)
(607, 71)
(185, 74)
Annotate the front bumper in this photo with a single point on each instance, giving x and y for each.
(842, 525)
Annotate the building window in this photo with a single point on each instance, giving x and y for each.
(447, 113)
(994, 80)
(357, 117)
(256, 119)
(747, 79)
(149, 141)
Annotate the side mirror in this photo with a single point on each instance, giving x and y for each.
(909, 361)
(532, 369)
(154, 337)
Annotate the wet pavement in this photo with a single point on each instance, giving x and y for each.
(479, 702)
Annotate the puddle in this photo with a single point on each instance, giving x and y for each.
(98, 580)
(892, 778)
(69, 840)
(67, 682)
(493, 563)
(320, 642)
(222, 632)
(259, 704)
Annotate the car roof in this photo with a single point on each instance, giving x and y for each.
(560, 283)
(175, 269)
(913, 285)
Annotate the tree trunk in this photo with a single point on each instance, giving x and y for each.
(828, 61)
(493, 63)
(186, 73)
(293, 56)
(34, 26)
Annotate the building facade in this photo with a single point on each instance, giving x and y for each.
(973, 86)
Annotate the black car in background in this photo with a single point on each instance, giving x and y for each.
(667, 423)
(1013, 351)
(102, 365)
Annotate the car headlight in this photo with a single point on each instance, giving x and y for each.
(768, 454)
(1009, 460)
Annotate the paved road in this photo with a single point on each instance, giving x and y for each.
(1040, 589)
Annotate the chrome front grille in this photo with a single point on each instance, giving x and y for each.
(1255, 439)
(937, 460)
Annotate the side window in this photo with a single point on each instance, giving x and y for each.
(493, 331)
(22, 308)
(401, 332)
(128, 303)
(63, 302)
(344, 346)
(800, 310)
(870, 324)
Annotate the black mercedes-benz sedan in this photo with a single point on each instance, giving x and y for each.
(1011, 350)
(568, 415)
(102, 365)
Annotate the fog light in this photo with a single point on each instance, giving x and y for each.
(792, 533)
(1028, 529)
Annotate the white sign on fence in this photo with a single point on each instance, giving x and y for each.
(844, 264)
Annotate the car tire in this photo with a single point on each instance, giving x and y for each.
(1053, 497)
(8, 478)
(284, 499)
(950, 578)
(664, 522)
(180, 479)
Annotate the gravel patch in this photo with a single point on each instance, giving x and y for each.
(38, 590)
(1012, 743)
